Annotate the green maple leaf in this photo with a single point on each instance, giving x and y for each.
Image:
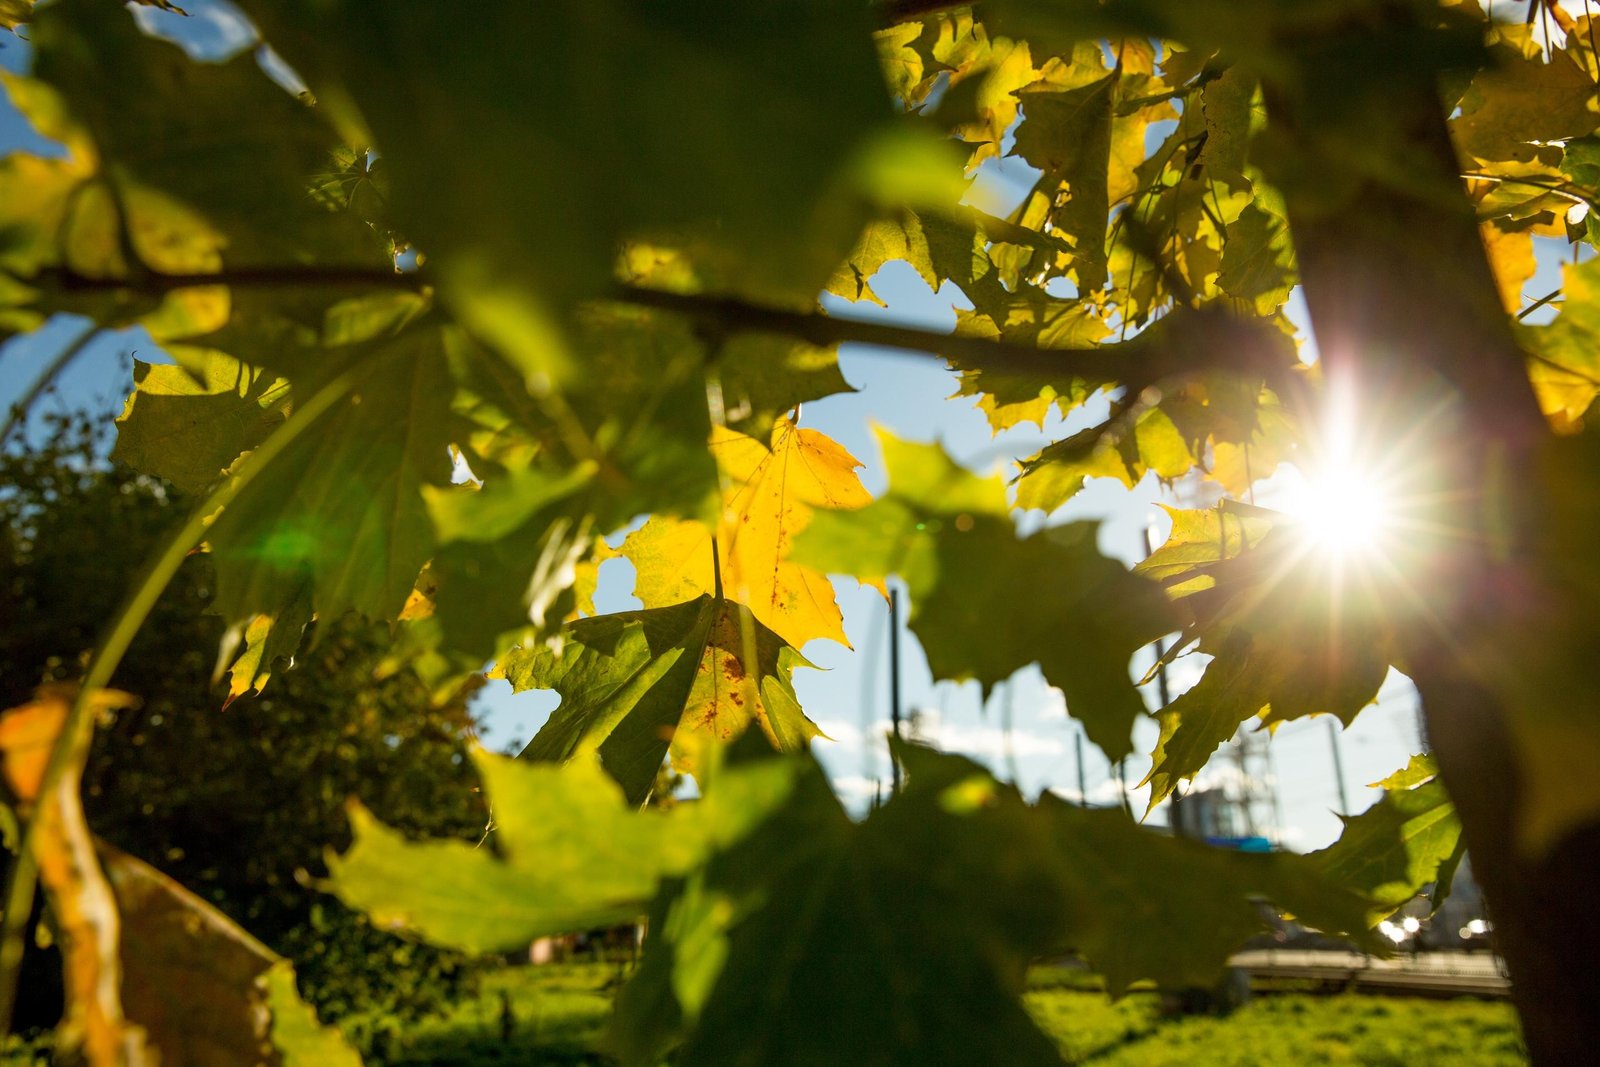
(949, 535)
(1287, 642)
(519, 175)
(759, 377)
(267, 640)
(1257, 263)
(859, 932)
(188, 423)
(342, 506)
(1394, 849)
(1227, 105)
(1135, 914)
(862, 929)
(223, 139)
(568, 853)
(636, 685)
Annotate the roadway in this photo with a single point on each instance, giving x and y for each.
(1440, 974)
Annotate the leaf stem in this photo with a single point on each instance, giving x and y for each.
(158, 573)
(1539, 303)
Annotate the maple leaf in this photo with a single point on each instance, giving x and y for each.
(1263, 608)
(1565, 363)
(793, 905)
(769, 501)
(188, 423)
(639, 685)
(1068, 136)
(239, 204)
(1409, 838)
(570, 854)
(1524, 97)
(543, 168)
(985, 602)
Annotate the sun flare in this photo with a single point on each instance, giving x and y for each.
(1342, 512)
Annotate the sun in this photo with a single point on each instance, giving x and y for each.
(1348, 500)
(1342, 511)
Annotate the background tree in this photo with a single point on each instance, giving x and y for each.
(241, 802)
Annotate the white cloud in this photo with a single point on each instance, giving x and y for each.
(855, 787)
(1104, 794)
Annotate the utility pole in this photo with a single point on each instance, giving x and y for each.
(1338, 766)
(1083, 779)
(894, 685)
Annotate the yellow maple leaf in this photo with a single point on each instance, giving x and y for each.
(770, 496)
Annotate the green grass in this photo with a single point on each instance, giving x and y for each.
(1280, 1029)
(560, 1014)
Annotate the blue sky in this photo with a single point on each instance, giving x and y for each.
(848, 696)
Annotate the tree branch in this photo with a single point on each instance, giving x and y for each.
(156, 283)
(893, 11)
(1188, 343)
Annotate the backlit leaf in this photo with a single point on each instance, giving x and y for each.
(985, 602)
(637, 685)
(1394, 849)
(768, 501)
(567, 854)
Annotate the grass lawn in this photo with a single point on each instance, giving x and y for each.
(559, 1013)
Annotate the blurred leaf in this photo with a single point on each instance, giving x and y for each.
(567, 854)
(1419, 770)
(204, 990)
(760, 377)
(866, 929)
(342, 506)
(188, 423)
(956, 883)
(210, 121)
(94, 1025)
(949, 536)
(1511, 258)
(519, 176)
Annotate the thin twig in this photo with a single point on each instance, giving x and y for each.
(1539, 303)
(69, 352)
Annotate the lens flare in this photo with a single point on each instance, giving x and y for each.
(1342, 512)
(1345, 504)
